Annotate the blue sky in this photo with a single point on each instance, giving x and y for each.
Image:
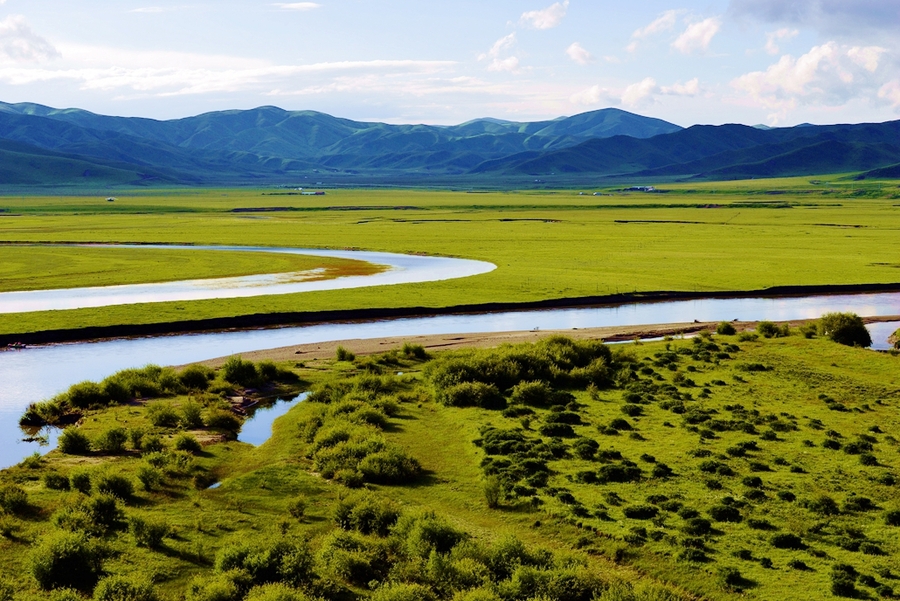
(400, 61)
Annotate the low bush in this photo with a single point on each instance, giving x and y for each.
(845, 328)
(186, 442)
(111, 441)
(223, 421)
(55, 481)
(191, 415)
(121, 588)
(65, 560)
(787, 541)
(238, 371)
(74, 442)
(196, 377)
(724, 328)
(641, 512)
(13, 499)
(391, 466)
(473, 394)
(163, 415)
(148, 533)
(366, 513)
(343, 354)
(117, 485)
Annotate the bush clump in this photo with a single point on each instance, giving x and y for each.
(65, 560)
(186, 442)
(238, 371)
(74, 442)
(13, 499)
(725, 328)
(845, 328)
(120, 588)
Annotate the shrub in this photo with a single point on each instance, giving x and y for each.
(403, 592)
(366, 513)
(13, 499)
(148, 533)
(787, 541)
(276, 591)
(725, 329)
(392, 466)
(414, 351)
(892, 518)
(74, 442)
(731, 578)
(557, 430)
(81, 481)
(116, 485)
(163, 415)
(725, 513)
(845, 328)
(238, 371)
(152, 444)
(767, 329)
(112, 441)
(641, 512)
(697, 526)
(342, 354)
(492, 492)
(824, 505)
(65, 560)
(223, 420)
(186, 442)
(473, 394)
(120, 588)
(196, 377)
(55, 481)
(149, 477)
(191, 415)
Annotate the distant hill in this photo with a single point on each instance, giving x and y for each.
(41, 145)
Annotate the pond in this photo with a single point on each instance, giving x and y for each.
(37, 373)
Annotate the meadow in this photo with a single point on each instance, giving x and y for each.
(719, 467)
(703, 237)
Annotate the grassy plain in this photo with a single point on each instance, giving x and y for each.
(736, 443)
(547, 244)
(46, 267)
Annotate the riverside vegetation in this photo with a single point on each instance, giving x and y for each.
(750, 464)
(746, 235)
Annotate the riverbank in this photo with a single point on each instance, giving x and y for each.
(441, 342)
(304, 318)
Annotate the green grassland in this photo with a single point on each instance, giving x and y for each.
(45, 267)
(720, 467)
(710, 237)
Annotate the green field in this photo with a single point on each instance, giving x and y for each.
(721, 467)
(720, 236)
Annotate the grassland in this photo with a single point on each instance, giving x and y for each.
(720, 467)
(547, 245)
(47, 267)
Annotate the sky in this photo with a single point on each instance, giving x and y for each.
(776, 62)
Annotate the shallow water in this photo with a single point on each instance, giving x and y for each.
(37, 373)
(402, 269)
(258, 429)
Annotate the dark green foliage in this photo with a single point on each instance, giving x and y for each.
(641, 512)
(116, 485)
(196, 377)
(74, 442)
(768, 329)
(797, 564)
(724, 328)
(697, 526)
(148, 533)
(285, 560)
(823, 505)
(892, 518)
(391, 466)
(191, 415)
(186, 442)
(845, 328)
(731, 578)
(557, 430)
(623, 472)
(163, 415)
(787, 541)
(473, 394)
(65, 560)
(343, 354)
(240, 372)
(13, 499)
(222, 420)
(366, 513)
(111, 441)
(81, 481)
(585, 448)
(55, 481)
(859, 504)
(725, 513)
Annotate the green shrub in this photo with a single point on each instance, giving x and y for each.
(403, 592)
(86, 395)
(731, 578)
(116, 485)
(391, 466)
(186, 442)
(74, 442)
(787, 541)
(163, 415)
(149, 477)
(824, 505)
(493, 490)
(153, 444)
(424, 533)
(148, 533)
(223, 420)
(120, 588)
(112, 441)
(845, 328)
(725, 329)
(414, 351)
(191, 415)
(55, 481)
(892, 518)
(343, 354)
(641, 512)
(225, 586)
(65, 560)
(81, 481)
(297, 508)
(13, 499)
(472, 394)
(276, 592)
(196, 377)
(366, 513)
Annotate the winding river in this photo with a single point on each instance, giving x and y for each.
(37, 373)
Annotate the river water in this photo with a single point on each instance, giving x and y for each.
(37, 373)
(401, 269)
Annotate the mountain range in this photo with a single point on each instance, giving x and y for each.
(44, 146)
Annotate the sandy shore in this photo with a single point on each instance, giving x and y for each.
(439, 342)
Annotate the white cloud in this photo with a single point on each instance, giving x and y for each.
(691, 88)
(151, 9)
(547, 18)
(18, 42)
(301, 6)
(829, 75)
(500, 47)
(891, 93)
(577, 53)
(774, 37)
(636, 93)
(663, 22)
(698, 36)
(593, 96)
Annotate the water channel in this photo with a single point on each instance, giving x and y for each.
(37, 373)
